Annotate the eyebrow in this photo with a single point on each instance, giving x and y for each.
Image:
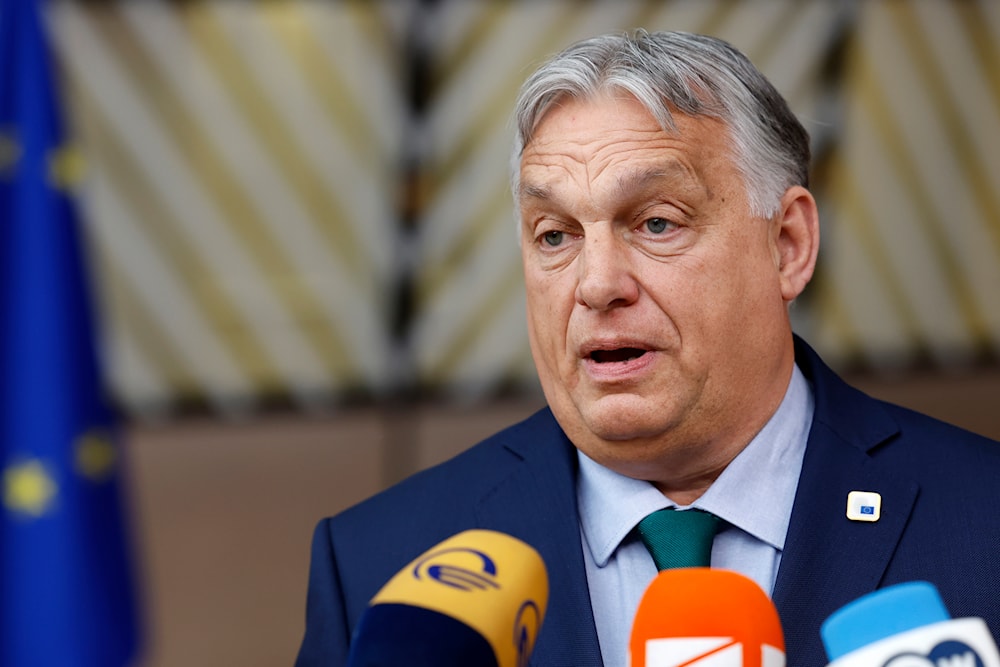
(634, 180)
(668, 170)
(533, 191)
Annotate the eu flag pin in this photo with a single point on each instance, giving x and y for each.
(864, 506)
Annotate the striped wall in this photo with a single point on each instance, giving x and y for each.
(241, 193)
(912, 250)
(278, 216)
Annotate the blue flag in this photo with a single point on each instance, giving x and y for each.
(66, 596)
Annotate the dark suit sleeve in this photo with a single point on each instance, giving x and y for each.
(327, 635)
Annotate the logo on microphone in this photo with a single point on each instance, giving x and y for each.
(949, 653)
(459, 567)
(527, 623)
(709, 652)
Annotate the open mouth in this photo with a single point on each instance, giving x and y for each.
(619, 355)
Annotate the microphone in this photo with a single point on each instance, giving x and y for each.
(906, 625)
(475, 600)
(705, 617)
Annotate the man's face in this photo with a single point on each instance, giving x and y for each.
(655, 314)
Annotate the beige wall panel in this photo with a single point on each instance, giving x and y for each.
(246, 187)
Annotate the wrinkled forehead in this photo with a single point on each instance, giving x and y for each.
(613, 151)
(619, 123)
(661, 116)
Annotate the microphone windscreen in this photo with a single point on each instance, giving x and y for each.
(906, 625)
(706, 617)
(881, 614)
(476, 599)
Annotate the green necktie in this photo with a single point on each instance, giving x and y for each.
(679, 538)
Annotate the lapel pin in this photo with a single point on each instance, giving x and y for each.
(864, 506)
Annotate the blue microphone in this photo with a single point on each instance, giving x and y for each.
(906, 625)
(475, 600)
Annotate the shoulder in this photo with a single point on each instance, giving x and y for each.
(355, 552)
(937, 483)
(941, 439)
(453, 486)
(887, 431)
(855, 436)
(373, 539)
(942, 457)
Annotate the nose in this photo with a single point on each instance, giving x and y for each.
(606, 279)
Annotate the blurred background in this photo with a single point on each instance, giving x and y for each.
(303, 245)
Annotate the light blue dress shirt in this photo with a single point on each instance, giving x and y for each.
(753, 495)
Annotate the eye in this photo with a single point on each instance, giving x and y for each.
(553, 239)
(658, 225)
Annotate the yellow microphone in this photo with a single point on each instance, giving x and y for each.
(476, 600)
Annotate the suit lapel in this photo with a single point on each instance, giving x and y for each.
(828, 559)
(537, 503)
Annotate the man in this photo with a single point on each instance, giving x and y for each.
(666, 227)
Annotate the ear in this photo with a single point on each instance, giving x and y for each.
(796, 240)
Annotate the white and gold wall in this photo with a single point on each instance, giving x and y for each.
(278, 215)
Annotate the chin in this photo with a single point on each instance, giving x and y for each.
(622, 433)
(636, 459)
(617, 419)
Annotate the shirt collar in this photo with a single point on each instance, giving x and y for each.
(755, 492)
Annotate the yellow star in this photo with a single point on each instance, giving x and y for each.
(29, 488)
(66, 166)
(10, 152)
(95, 456)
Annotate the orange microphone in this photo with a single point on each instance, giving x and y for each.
(703, 617)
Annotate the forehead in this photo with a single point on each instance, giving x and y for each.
(613, 137)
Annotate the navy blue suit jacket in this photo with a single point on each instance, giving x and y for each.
(940, 522)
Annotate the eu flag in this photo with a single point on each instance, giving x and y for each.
(66, 598)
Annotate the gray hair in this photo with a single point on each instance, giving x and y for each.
(692, 74)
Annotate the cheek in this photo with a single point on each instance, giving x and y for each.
(550, 305)
(546, 318)
(547, 348)
(745, 305)
(742, 260)
(709, 297)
